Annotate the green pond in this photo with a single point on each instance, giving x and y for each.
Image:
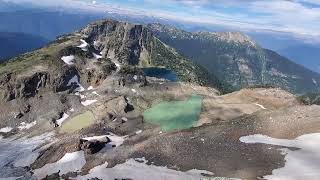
(175, 115)
(78, 122)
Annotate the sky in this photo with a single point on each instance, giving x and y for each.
(301, 18)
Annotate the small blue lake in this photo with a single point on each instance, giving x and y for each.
(162, 73)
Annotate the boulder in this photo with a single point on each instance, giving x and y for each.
(92, 147)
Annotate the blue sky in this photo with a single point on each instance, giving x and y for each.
(301, 18)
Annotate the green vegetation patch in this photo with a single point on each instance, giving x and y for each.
(175, 115)
(78, 122)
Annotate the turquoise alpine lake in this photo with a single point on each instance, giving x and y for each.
(175, 115)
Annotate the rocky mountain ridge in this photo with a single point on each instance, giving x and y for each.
(237, 60)
(76, 109)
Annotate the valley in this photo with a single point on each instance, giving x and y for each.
(115, 101)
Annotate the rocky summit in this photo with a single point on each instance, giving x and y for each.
(117, 100)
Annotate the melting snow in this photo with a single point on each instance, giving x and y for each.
(24, 125)
(68, 59)
(6, 129)
(64, 117)
(102, 138)
(124, 119)
(95, 93)
(81, 95)
(21, 152)
(70, 162)
(261, 106)
(118, 66)
(90, 88)
(136, 170)
(75, 80)
(88, 102)
(116, 140)
(300, 164)
(83, 45)
(96, 56)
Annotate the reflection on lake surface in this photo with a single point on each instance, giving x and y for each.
(161, 73)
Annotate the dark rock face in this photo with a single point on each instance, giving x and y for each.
(132, 75)
(71, 50)
(24, 87)
(92, 147)
(123, 41)
(104, 68)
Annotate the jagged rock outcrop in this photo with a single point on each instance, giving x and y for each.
(92, 147)
(136, 45)
(122, 41)
(23, 87)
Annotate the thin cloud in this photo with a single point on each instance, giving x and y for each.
(298, 17)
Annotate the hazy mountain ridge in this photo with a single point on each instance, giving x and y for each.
(238, 60)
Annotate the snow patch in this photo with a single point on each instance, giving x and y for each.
(75, 80)
(95, 93)
(314, 81)
(300, 164)
(83, 45)
(133, 90)
(22, 152)
(81, 95)
(132, 169)
(90, 88)
(97, 138)
(261, 106)
(25, 125)
(88, 102)
(70, 162)
(62, 119)
(139, 132)
(124, 119)
(6, 129)
(116, 140)
(68, 59)
(96, 56)
(118, 66)
(135, 77)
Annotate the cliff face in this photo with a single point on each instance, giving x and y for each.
(113, 43)
(124, 42)
(136, 45)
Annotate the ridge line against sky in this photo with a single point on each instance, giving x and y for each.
(300, 18)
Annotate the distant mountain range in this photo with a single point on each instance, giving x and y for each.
(305, 54)
(228, 61)
(238, 60)
(49, 23)
(13, 44)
